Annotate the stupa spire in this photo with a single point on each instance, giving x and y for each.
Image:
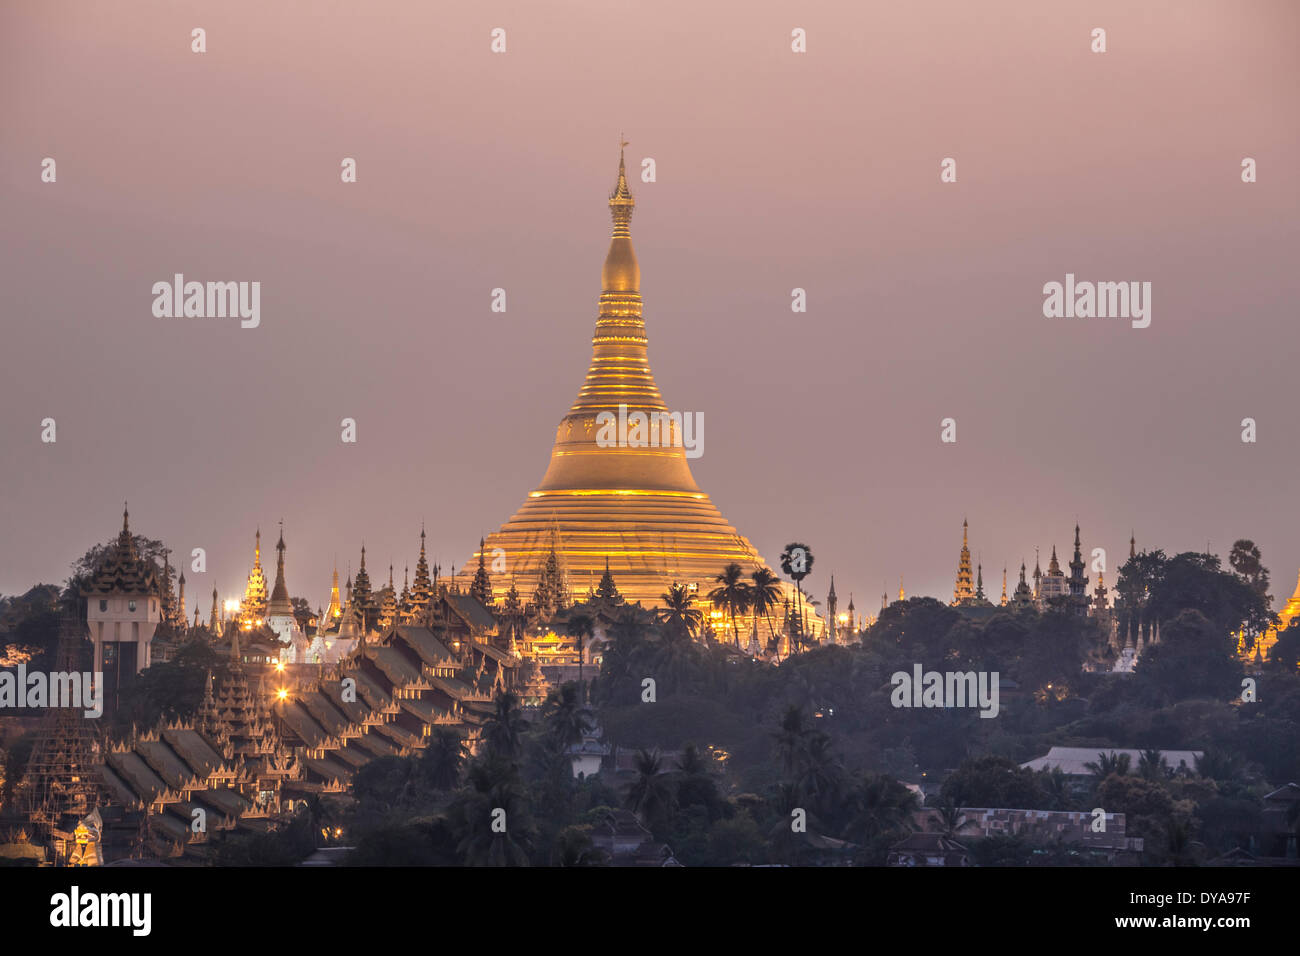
(619, 483)
(963, 591)
(280, 604)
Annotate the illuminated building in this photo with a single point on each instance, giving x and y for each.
(335, 610)
(252, 610)
(638, 508)
(964, 591)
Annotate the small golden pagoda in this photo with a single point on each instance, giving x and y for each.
(637, 508)
(252, 610)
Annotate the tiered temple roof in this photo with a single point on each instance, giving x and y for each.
(388, 697)
(123, 569)
(230, 762)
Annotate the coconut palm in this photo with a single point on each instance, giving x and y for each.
(580, 627)
(650, 796)
(1106, 764)
(491, 816)
(679, 613)
(791, 741)
(566, 721)
(797, 563)
(731, 594)
(764, 594)
(503, 731)
(880, 805)
(821, 774)
(444, 758)
(951, 821)
(1152, 765)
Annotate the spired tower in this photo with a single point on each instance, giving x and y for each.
(638, 508)
(252, 610)
(963, 592)
(280, 609)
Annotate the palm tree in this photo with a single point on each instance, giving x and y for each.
(951, 821)
(503, 731)
(731, 594)
(650, 796)
(443, 758)
(580, 627)
(797, 562)
(1106, 764)
(493, 787)
(1152, 765)
(880, 804)
(1218, 764)
(1056, 785)
(680, 614)
(821, 774)
(791, 741)
(764, 594)
(567, 722)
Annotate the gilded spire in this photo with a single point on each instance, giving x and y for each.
(253, 607)
(335, 610)
(963, 591)
(621, 203)
(621, 272)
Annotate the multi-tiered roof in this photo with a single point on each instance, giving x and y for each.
(123, 569)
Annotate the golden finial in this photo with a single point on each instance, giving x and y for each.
(621, 202)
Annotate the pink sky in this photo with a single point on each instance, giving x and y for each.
(775, 170)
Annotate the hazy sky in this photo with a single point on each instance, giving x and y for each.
(775, 170)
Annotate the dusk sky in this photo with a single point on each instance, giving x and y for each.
(775, 170)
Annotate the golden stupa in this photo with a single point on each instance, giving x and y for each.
(637, 508)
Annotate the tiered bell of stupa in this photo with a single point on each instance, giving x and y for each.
(635, 506)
